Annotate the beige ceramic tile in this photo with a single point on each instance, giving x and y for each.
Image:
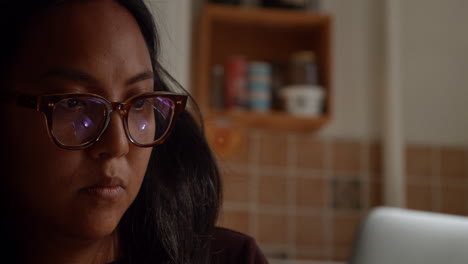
(375, 159)
(311, 191)
(310, 253)
(272, 228)
(273, 190)
(240, 154)
(236, 186)
(419, 197)
(375, 194)
(453, 166)
(235, 220)
(310, 152)
(347, 157)
(346, 193)
(310, 231)
(454, 200)
(341, 254)
(344, 230)
(273, 149)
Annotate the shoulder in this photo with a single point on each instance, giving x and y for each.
(230, 246)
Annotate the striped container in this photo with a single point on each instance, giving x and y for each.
(259, 79)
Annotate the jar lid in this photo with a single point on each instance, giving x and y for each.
(259, 67)
(303, 56)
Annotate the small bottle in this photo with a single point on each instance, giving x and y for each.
(227, 2)
(278, 80)
(296, 4)
(313, 5)
(303, 68)
(217, 86)
(250, 3)
(235, 93)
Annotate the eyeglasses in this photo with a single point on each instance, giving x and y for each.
(77, 121)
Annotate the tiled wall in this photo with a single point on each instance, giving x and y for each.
(437, 179)
(302, 196)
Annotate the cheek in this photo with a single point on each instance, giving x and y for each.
(28, 142)
(138, 160)
(35, 165)
(27, 132)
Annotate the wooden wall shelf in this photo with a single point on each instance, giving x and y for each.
(271, 120)
(265, 35)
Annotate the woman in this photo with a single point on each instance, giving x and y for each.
(101, 162)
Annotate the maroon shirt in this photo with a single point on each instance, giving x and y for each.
(231, 247)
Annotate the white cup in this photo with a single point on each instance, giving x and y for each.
(303, 100)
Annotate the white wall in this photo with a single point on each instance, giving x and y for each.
(357, 52)
(173, 18)
(435, 70)
(434, 59)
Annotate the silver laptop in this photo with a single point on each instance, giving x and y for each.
(400, 236)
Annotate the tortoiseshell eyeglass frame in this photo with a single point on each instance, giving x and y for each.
(46, 104)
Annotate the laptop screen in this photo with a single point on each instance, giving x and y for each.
(401, 236)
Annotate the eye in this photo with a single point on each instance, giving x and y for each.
(73, 103)
(138, 105)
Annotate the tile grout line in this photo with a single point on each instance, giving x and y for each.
(365, 179)
(291, 190)
(432, 180)
(436, 185)
(254, 171)
(327, 217)
(299, 172)
(236, 206)
(279, 210)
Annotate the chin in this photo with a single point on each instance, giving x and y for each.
(94, 226)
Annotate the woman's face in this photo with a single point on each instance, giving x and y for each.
(89, 46)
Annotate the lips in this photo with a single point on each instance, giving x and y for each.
(105, 192)
(106, 188)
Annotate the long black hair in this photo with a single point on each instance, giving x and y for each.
(174, 213)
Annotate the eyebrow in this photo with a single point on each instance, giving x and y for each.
(147, 75)
(80, 76)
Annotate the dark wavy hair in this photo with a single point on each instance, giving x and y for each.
(174, 213)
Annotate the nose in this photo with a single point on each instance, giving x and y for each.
(113, 142)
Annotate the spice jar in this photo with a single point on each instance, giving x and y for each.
(303, 68)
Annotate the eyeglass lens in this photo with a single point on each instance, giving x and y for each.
(149, 119)
(80, 120)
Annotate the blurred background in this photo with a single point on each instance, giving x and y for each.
(319, 111)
